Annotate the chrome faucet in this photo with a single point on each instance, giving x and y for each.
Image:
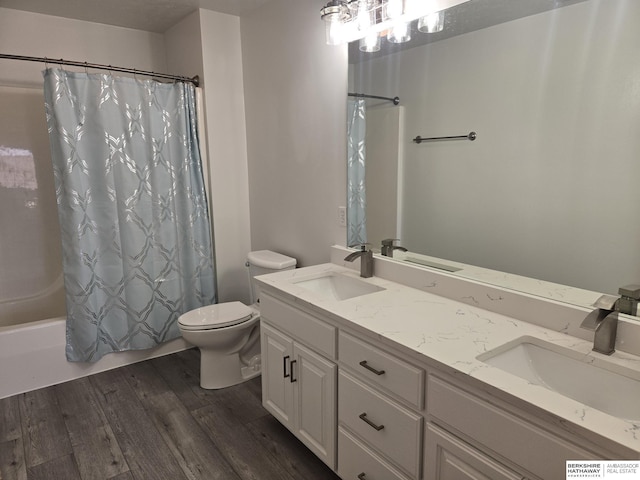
(629, 297)
(388, 247)
(366, 260)
(603, 321)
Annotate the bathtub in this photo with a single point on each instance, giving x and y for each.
(32, 356)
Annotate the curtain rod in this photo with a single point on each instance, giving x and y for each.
(395, 100)
(96, 66)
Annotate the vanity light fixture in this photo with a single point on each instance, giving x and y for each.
(368, 20)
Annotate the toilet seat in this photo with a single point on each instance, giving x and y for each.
(216, 316)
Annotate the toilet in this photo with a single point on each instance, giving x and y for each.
(228, 334)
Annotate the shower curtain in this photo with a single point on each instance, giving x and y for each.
(356, 198)
(137, 245)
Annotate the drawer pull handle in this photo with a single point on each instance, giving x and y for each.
(363, 416)
(284, 367)
(362, 476)
(364, 364)
(293, 380)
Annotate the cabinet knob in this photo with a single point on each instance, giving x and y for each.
(362, 476)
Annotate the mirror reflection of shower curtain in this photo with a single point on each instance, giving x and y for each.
(136, 236)
(356, 153)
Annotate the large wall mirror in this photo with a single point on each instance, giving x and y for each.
(550, 189)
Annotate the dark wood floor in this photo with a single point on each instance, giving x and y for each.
(150, 421)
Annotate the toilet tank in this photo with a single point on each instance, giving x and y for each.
(262, 262)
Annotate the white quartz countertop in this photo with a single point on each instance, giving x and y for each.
(455, 334)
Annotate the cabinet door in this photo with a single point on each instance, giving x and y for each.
(277, 388)
(315, 402)
(448, 458)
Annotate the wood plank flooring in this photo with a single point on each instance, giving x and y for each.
(149, 421)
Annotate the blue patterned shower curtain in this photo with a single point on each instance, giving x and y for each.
(137, 245)
(356, 197)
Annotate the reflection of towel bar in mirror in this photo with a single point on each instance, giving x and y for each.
(394, 100)
(471, 136)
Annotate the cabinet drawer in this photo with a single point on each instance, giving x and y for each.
(313, 332)
(534, 449)
(448, 458)
(356, 461)
(385, 425)
(388, 371)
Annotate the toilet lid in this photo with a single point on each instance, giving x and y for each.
(215, 316)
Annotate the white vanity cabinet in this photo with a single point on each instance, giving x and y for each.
(495, 434)
(380, 425)
(350, 385)
(298, 383)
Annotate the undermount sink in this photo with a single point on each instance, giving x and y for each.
(335, 286)
(606, 387)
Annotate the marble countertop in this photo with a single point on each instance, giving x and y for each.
(455, 334)
(509, 281)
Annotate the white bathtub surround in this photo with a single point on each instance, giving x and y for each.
(31, 286)
(465, 319)
(32, 356)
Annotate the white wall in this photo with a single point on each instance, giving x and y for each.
(550, 187)
(183, 47)
(227, 143)
(32, 34)
(295, 94)
(208, 44)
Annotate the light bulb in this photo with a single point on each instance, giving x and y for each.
(434, 22)
(364, 15)
(370, 43)
(394, 8)
(333, 32)
(400, 33)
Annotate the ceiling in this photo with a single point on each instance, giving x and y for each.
(149, 15)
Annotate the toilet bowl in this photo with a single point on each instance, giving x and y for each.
(228, 334)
